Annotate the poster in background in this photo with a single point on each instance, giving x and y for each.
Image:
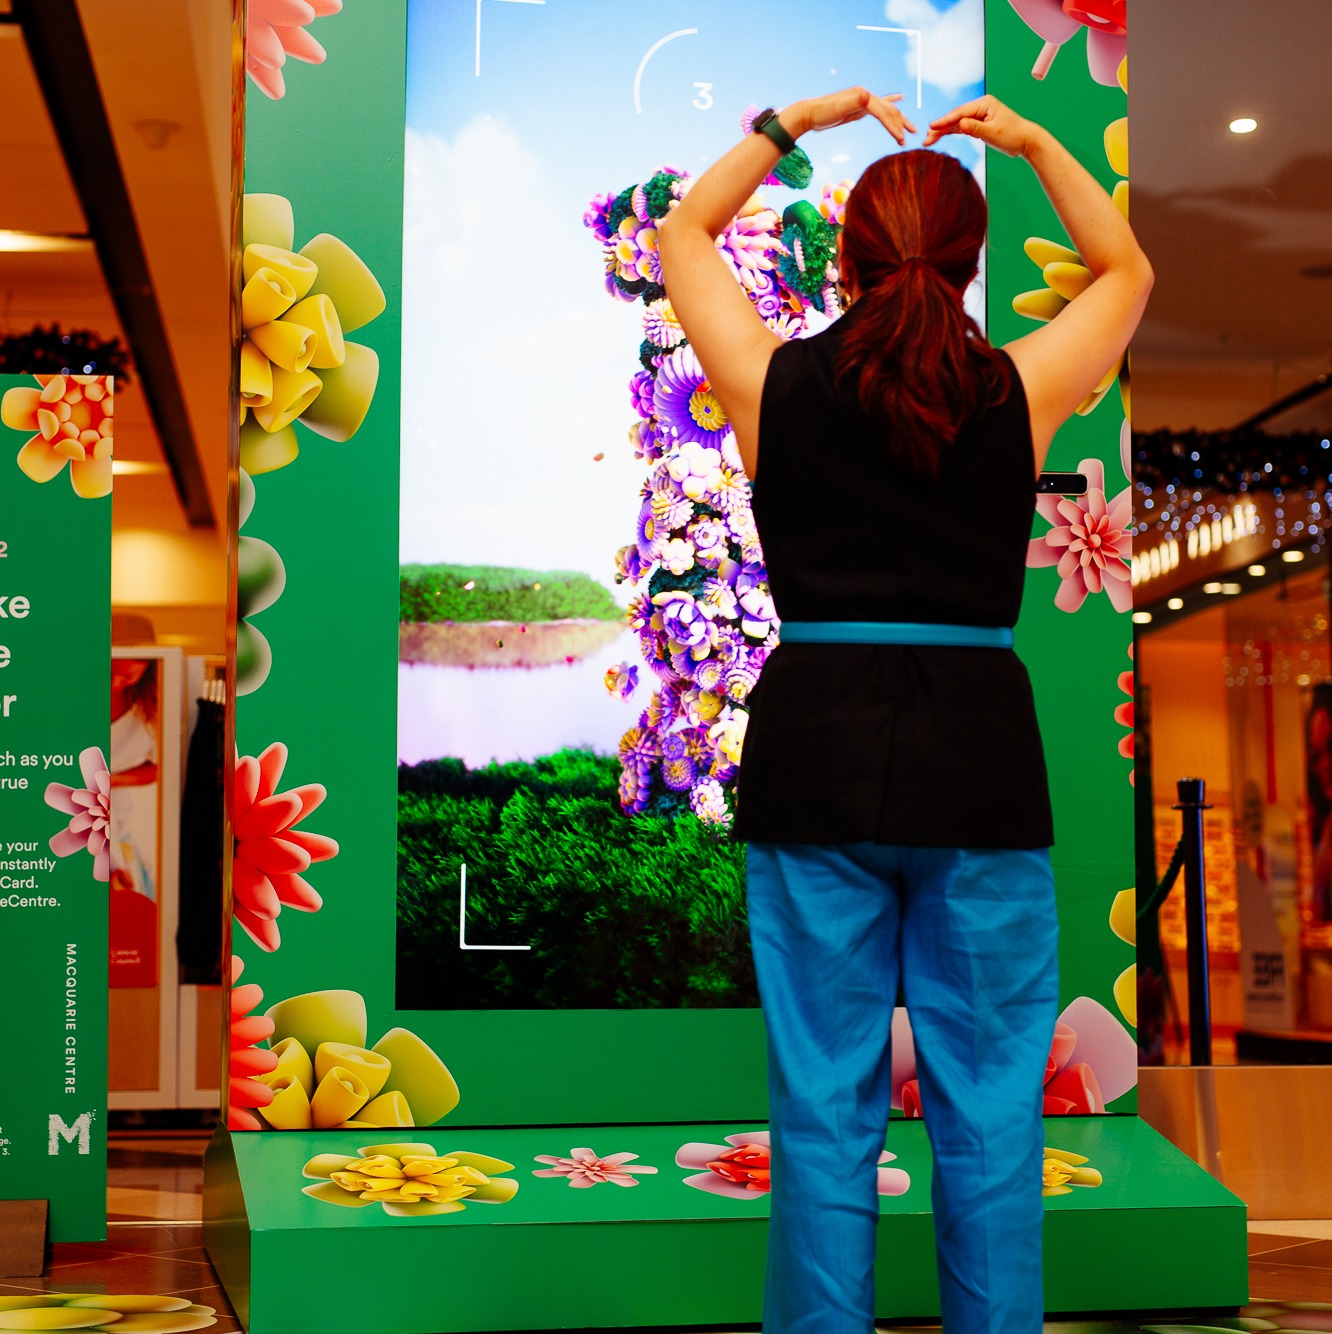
(136, 819)
(55, 642)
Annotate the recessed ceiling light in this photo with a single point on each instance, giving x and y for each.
(42, 243)
(1231, 589)
(1302, 680)
(1212, 588)
(136, 468)
(1142, 618)
(1175, 604)
(1243, 125)
(1292, 557)
(1257, 571)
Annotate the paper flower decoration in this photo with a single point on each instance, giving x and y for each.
(98, 1311)
(1124, 714)
(1092, 1061)
(583, 1168)
(1124, 923)
(622, 679)
(271, 854)
(705, 619)
(410, 1180)
(1055, 23)
(295, 363)
(1061, 1171)
(89, 807)
(276, 29)
(1089, 542)
(71, 417)
(326, 1077)
(260, 580)
(247, 1059)
(741, 1169)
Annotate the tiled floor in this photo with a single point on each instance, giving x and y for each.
(155, 1246)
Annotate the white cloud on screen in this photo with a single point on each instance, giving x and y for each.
(515, 364)
(953, 41)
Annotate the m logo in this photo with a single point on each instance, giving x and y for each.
(81, 1131)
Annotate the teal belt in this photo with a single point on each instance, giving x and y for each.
(896, 632)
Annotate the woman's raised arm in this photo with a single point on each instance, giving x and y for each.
(732, 343)
(1063, 361)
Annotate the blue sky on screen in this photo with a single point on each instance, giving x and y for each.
(515, 360)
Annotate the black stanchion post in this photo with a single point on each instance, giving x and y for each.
(1191, 806)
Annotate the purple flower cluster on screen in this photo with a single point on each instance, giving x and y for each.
(701, 604)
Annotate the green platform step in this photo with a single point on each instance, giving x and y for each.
(1158, 1234)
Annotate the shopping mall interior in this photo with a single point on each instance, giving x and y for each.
(129, 130)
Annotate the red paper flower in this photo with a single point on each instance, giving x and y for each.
(247, 1059)
(270, 852)
(1124, 715)
(276, 29)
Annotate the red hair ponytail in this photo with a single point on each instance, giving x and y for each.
(915, 224)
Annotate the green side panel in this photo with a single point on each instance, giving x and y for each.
(1158, 1234)
(227, 1223)
(1075, 659)
(55, 553)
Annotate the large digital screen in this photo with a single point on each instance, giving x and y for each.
(581, 615)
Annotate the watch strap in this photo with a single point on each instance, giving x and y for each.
(766, 122)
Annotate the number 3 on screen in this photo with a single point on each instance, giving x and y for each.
(704, 99)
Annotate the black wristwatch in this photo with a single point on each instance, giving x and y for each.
(766, 122)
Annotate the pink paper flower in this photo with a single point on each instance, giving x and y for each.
(275, 30)
(270, 852)
(1088, 541)
(90, 809)
(1093, 1060)
(72, 419)
(1054, 23)
(583, 1168)
(247, 1059)
(741, 1169)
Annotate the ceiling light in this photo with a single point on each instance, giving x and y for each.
(1257, 571)
(1212, 588)
(136, 468)
(1142, 618)
(1175, 604)
(1231, 589)
(1292, 557)
(1243, 125)
(1302, 680)
(42, 243)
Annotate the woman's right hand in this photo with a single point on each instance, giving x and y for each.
(988, 120)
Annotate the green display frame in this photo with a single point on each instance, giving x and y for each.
(317, 660)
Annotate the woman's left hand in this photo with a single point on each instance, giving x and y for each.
(841, 108)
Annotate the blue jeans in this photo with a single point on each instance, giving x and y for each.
(972, 935)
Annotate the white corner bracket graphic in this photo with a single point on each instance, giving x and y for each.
(462, 919)
(478, 24)
(920, 51)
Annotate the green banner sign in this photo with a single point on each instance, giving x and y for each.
(56, 827)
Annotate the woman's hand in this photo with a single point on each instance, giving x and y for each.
(841, 108)
(988, 120)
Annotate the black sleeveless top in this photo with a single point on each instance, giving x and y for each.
(909, 745)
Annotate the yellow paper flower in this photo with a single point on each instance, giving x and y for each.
(72, 418)
(295, 361)
(104, 1311)
(1124, 923)
(327, 1077)
(410, 1180)
(1061, 1171)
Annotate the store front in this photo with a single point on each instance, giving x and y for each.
(1235, 687)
